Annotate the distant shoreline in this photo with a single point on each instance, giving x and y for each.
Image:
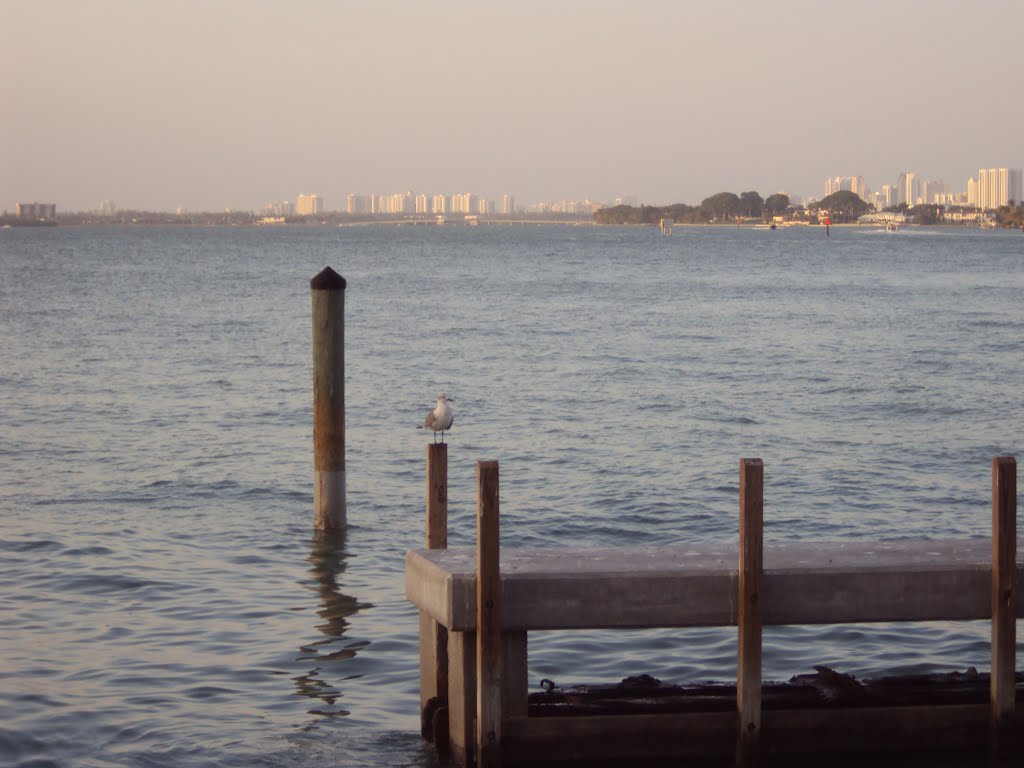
(456, 223)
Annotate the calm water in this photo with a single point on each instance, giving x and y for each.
(162, 596)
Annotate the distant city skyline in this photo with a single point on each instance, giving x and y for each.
(989, 188)
(192, 104)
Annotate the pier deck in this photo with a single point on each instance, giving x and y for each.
(694, 586)
(689, 586)
(477, 608)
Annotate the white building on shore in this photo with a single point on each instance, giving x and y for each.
(998, 186)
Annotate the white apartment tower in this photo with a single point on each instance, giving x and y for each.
(508, 204)
(464, 203)
(908, 188)
(358, 204)
(308, 205)
(998, 186)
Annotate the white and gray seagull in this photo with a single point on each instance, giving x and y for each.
(441, 418)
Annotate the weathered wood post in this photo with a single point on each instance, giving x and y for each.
(434, 636)
(1004, 602)
(488, 626)
(328, 293)
(749, 613)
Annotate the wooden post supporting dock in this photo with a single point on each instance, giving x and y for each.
(434, 636)
(1004, 602)
(328, 293)
(488, 628)
(749, 614)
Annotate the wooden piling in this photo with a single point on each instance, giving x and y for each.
(434, 636)
(749, 613)
(328, 295)
(488, 635)
(1004, 602)
(462, 696)
(437, 496)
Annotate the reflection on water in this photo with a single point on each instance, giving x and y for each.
(327, 564)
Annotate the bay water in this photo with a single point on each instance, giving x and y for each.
(165, 601)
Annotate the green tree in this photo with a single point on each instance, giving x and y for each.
(843, 205)
(926, 214)
(751, 203)
(724, 205)
(777, 203)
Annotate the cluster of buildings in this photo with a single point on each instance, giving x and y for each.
(423, 203)
(993, 188)
(399, 203)
(435, 204)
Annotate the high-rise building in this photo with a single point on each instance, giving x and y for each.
(998, 186)
(464, 203)
(439, 205)
(935, 191)
(508, 204)
(402, 202)
(36, 211)
(308, 205)
(908, 189)
(972, 192)
(887, 196)
(358, 204)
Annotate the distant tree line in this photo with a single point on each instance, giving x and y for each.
(840, 207)
(721, 207)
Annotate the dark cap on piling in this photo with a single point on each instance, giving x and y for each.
(328, 280)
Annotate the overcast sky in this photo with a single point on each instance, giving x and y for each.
(212, 104)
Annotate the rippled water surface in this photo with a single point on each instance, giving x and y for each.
(164, 600)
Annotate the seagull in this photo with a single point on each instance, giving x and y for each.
(441, 418)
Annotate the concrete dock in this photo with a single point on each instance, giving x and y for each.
(477, 608)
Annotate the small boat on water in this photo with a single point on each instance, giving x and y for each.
(892, 227)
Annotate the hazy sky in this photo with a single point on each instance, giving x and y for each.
(211, 104)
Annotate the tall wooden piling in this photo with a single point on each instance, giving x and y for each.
(434, 636)
(488, 634)
(328, 294)
(1004, 602)
(749, 613)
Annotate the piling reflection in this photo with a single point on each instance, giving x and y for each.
(327, 559)
(327, 563)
